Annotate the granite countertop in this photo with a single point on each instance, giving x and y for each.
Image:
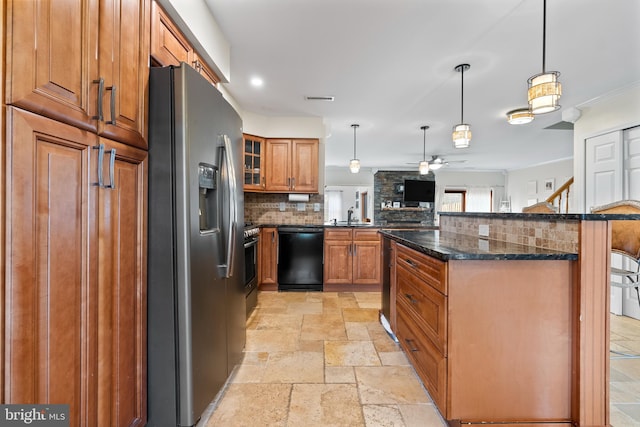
(452, 246)
(540, 216)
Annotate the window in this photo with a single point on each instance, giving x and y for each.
(454, 201)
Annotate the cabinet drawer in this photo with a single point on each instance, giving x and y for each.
(338, 234)
(427, 305)
(431, 270)
(429, 363)
(370, 235)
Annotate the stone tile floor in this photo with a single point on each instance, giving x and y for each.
(323, 359)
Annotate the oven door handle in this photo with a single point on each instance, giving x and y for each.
(250, 243)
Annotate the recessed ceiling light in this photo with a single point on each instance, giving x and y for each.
(256, 82)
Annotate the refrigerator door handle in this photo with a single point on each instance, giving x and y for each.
(233, 217)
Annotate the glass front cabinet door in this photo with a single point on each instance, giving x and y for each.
(253, 160)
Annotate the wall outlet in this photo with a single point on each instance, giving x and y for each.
(301, 207)
(282, 207)
(316, 207)
(483, 230)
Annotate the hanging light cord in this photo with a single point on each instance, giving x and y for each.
(354, 140)
(462, 94)
(544, 33)
(424, 142)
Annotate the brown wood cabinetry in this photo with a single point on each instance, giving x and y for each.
(291, 165)
(253, 163)
(81, 62)
(170, 47)
(352, 256)
(76, 272)
(487, 337)
(268, 259)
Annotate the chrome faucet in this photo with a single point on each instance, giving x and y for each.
(349, 214)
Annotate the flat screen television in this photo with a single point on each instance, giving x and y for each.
(416, 191)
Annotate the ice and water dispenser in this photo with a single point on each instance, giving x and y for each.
(207, 183)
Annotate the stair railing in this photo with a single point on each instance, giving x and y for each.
(560, 198)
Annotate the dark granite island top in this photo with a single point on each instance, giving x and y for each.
(447, 246)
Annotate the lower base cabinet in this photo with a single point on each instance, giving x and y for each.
(75, 288)
(491, 340)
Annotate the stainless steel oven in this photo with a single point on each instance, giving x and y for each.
(251, 239)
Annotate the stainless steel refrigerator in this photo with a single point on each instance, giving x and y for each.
(196, 299)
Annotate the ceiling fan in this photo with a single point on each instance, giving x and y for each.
(436, 162)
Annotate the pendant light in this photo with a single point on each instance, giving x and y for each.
(544, 88)
(354, 164)
(462, 131)
(423, 166)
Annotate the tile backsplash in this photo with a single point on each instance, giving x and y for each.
(560, 235)
(262, 208)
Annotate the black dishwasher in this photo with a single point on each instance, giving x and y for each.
(300, 258)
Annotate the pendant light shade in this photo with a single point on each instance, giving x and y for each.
(462, 132)
(544, 88)
(354, 164)
(423, 166)
(520, 116)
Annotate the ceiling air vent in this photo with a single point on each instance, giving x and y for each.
(561, 126)
(320, 98)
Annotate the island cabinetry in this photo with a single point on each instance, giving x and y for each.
(491, 339)
(268, 258)
(352, 256)
(81, 62)
(291, 165)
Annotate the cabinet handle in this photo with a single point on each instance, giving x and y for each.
(197, 65)
(293, 183)
(411, 263)
(112, 161)
(289, 182)
(100, 148)
(411, 298)
(264, 183)
(355, 250)
(273, 237)
(412, 348)
(113, 105)
(100, 82)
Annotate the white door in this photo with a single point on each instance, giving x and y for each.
(631, 189)
(603, 184)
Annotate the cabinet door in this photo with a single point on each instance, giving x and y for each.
(122, 288)
(304, 166)
(51, 58)
(123, 61)
(338, 261)
(205, 71)
(367, 263)
(278, 165)
(51, 285)
(268, 257)
(168, 45)
(253, 163)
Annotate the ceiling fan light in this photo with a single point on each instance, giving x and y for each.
(436, 164)
(354, 165)
(520, 116)
(461, 135)
(544, 92)
(423, 167)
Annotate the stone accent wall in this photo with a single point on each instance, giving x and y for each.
(384, 183)
(262, 208)
(559, 235)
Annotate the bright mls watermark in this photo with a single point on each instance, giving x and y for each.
(34, 415)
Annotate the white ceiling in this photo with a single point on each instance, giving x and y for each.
(390, 65)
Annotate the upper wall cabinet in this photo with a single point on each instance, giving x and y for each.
(291, 165)
(170, 47)
(82, 62)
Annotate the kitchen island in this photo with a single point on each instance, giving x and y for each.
(501, 330)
